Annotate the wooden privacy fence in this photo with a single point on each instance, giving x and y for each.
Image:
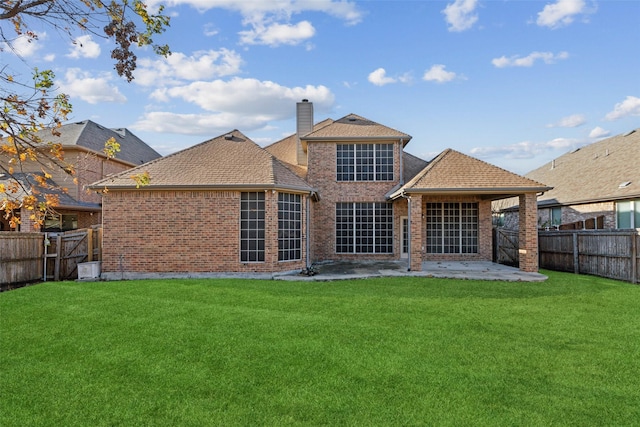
(20, 257)
(610, 253)
(28, 257)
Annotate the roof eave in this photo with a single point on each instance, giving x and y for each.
(503, 191)
(220, 187)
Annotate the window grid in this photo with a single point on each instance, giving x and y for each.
(452, 228)
(252, 227)
(364, 162)
(289, 227)
(364, 228)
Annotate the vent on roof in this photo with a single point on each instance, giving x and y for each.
(228, 137)
(352, 119)
(624, 184)
(575, 150)
(629, 133)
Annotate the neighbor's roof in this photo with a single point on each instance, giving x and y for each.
(27, 181)
(92, 136)
(228, 161)
(596, 172)
(352, 127)
(454, 172)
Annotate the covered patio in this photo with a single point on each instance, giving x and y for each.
(470, 270)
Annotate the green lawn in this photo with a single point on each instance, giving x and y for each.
(389, 351)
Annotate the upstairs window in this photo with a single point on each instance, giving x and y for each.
(364, 162)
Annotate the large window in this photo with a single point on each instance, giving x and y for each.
(252, 227)
(364, 228)
(66, 222)
(364, 162)
(452, 228)
(289, 227)
(628, 214)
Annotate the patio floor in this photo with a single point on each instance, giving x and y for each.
(477, 270)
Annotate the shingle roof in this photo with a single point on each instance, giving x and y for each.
(594, 172)
(353, 126)
(28, 182)
(452, 171)
(92, 136)
(228, 161)
(285, 150)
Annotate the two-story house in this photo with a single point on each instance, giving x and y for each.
(335, 190)
(83, 144)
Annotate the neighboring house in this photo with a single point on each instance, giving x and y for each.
(596, 186)
(83, 143)
(336, 190)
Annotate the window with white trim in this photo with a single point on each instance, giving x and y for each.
(628, 214)
(364, 162)
(364, 228)
(289, 227)
(452, 228)
(252, 227)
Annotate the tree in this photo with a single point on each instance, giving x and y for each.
(31, 107)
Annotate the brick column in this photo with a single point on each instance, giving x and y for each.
(27, 225)
(528, 249)
(271, 229)
(416, 233)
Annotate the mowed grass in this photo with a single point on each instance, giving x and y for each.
(388, 351)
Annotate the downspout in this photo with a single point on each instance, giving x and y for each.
(409, 229)
(308, 203)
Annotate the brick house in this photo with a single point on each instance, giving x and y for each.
(596, 186)
(334, 190)
(83, 143)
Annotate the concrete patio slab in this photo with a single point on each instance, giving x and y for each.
(476, 270)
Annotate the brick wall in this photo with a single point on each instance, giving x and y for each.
(321, 174)
(184, 232)
(528, 234)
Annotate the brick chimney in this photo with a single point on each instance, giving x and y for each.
(304, 125)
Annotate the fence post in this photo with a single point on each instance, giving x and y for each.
(89, 244)
(634, 257)
(56, 271)
(576, 258)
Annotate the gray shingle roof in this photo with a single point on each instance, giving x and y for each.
(228, 161)
(593, 173)
(92, 136)
(452, 171)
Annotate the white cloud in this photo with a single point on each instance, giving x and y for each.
(561, 13)
(25, 46)
(572, 121)
(270, 20)
(598, 132)
(526, 149)
(529, 60)
(629, 107)
(278, 34)
(179, 67)
(210, 30)
(84, 47)
(245, 104)
(379, 77)
(437, 73)
(81, 84)
(460, 14)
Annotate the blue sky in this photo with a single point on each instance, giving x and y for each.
(515, 83)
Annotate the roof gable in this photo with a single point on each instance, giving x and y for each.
(353, 126)
(594, 172)
(229, 160)
(452, 171)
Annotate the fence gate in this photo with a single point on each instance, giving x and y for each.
(506, 244)
(64, 251)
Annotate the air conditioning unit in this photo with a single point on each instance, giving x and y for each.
(89, 270)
